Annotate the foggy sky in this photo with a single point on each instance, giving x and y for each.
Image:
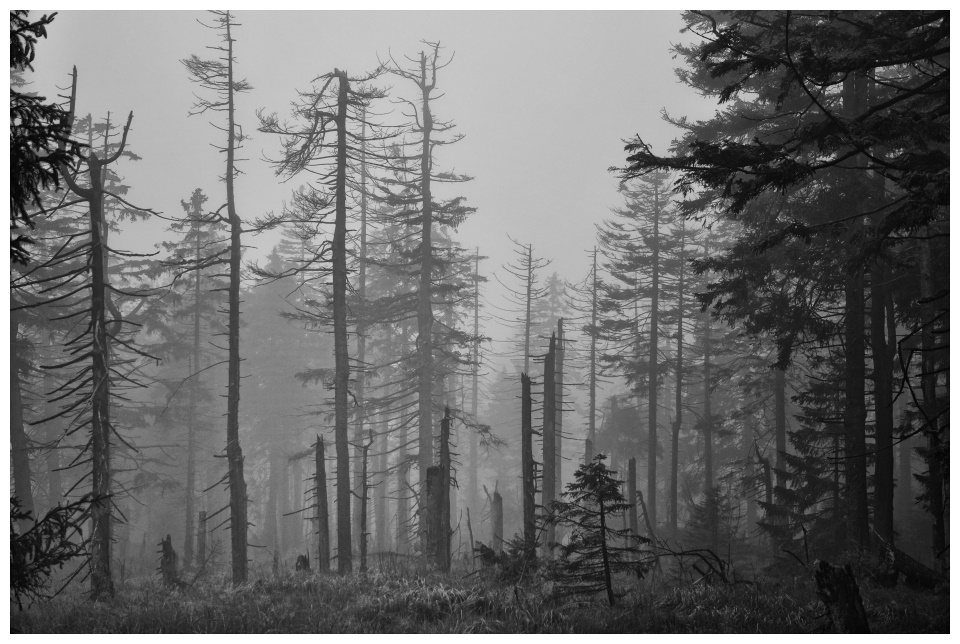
(544, 100)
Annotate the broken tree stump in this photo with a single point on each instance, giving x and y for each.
(168, 563)
(837, 589)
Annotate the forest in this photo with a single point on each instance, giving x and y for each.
(367, 409)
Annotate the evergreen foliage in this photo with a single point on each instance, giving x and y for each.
(596, 550)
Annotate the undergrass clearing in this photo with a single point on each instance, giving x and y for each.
(391, 603)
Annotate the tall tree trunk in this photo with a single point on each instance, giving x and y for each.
(191, 491)
(883, 405)
(678, 397)
(526, 455)
(380, 508)
(780, 424)
(931, 407)
(652, 366)
(361, 290)
(443, 536)
(548, 494)
(708, 478)
(475, 388)
(403, 493)
(528, 321)
(558, 421)
(323, 512)
(855, 410)
(364, 493)
(341, 357)
(592, 420)
(271, 530)
(237, 485)
(424, 304)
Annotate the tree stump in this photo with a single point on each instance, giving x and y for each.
(837, 589)
(168, 563)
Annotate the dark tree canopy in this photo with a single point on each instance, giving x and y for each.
(39, 135)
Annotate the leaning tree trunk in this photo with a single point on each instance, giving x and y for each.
(341, 357)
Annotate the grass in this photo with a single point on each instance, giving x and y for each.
(430, 603)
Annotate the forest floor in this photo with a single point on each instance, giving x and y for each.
(395, 603)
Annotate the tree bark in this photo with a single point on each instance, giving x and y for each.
(678, 399)
(883, 405)
(323, 513)
(592, 420)
(931, 407)
(341, 357)
(632, 495)
(558, 421)
(443, 536)
(496, 513)
(529, 484)
(475, 388)
(361, 290)
(548, 495)
(425, 287)
(652, 366)
(236, 483)
(190, 493)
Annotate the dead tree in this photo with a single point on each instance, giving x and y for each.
(168, 563)
(202, 537)
(549, 442)
(527, 465)
(443, 536)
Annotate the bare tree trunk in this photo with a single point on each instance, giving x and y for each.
(237, 485)
(708, 432)
(361, 290)
(323, 513)
(529, 484)
(592, 420)
(678, 398)
(558, 468)
(202, 537)
(548, 494)
(270, 529)
(931, 407)
(380, 509)
(424, 304)
(632, 495)
(191, 491)
(443, 536)
(652, 367)
(883, 405)
(475, 389)
(496, 514)
(341, 357)
(855, 413)
(364, 493)
(403, 491)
